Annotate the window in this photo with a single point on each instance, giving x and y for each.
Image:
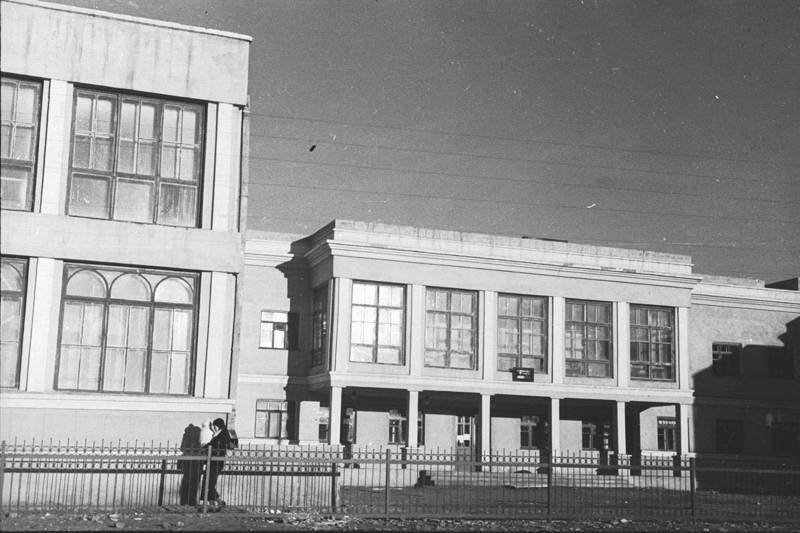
(271, 419)
(377, 326)
(665, 430)
(278, 330)
(19, 120)
(323, 424)
(521, 332)
(127, 330)
(464, 425)
(780, 363)
(587, 345)
(730, 436)
(589, 437)
(652, 348)
(136, 158)
(529, 432)
(420, 428)
(319, 326)
(451, 328)
(14, 282)
(398, 422)
(725, 359)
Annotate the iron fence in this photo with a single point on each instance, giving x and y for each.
(396, 482)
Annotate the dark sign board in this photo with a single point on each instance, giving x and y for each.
(521, 374)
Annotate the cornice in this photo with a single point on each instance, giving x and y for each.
(746, 298)
(112, 402)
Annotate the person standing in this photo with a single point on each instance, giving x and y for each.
(219, 444)
(192, 466)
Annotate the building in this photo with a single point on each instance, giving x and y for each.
(122, 179)
(381, 335)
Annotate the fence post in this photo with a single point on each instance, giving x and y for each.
(550, 486)
(691, 484)
(334, 474)
(386, 485)
(161, 482)
(205, 481)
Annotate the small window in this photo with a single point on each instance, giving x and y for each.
(278, 330)
(666, 432)
(14, 286)
(589, 440)
(730, 436)
(319, 326)
(464, 427)
(398, 422)
(530, 436)
(323, 423)
(20, 105)
(725, 359)
(271, 419)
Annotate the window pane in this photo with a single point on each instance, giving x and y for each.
(23, 143)
(127, 120)
(147, 121)
(177, 205)
(169, 157)
(170, 130)
(134, 201)
(104, 115)
(130, 287)
(189, 131)
(89, 374)
(89, 197)
(5, 140)
(68, 365)
(181, 330)
(86, 283)
(174, 290)
(389, 356)
(11, 320)
(361, 353)
(102, 154)
(15, 191)
(81, 152)
(125, 157)
(188, 170)
(83, 113)
(145, 160)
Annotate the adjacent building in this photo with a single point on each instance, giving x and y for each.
(121, 204)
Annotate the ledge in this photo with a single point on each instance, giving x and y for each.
(118, 402)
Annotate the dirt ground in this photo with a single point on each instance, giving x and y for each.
(180, 520)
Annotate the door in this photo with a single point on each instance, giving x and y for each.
(465, 442)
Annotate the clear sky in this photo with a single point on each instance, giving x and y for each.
(670, 126)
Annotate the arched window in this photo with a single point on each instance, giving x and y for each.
(174, 290)
(11, 277)
(12, 308)
(130, 287)
(86, 283)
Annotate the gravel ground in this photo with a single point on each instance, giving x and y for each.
(170, 520)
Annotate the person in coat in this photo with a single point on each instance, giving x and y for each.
(219, 444)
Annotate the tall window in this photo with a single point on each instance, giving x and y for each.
(522, 332)
(666, 433)
(271, 419)
(464, 426)
(323, 423)
(451, 328)
(730, 436)
(529, 432)
(398, 422)
(420, 428)
(587, 344)
(19, 120)
(13, 278)
(652, 343)
(319, 326)
(377, 325)
(725, 359)
(136, 158)
(590, 440)
(127, 330)
(278, 330)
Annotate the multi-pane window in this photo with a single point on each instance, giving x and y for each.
(278, 330)
(464, 426)
(398, 422)
(666, 427)
(529, 436)
(271, 419)
(521, 332)
(323, 423)
(587, 343)
(589, 437)
(13, 278)
(136, 158)
(19, 120)
(127, 330)
(319, 326)
(377, 326)
(451, 328)
(730, 436)
(652, 343)
(725, 359)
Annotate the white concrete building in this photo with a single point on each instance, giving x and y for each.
(121, 246)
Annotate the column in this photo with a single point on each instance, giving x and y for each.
(416, 321)
(619, 426)
(339, 324)
(44, 326)
(557, 329)
(335, 417)
(555, 426)
(486, 426)
(488, 332)
(682, 355)
(226, 169)
(412, 416)
(220, 335)
(622, 345)
(57, 147)
(682, 411)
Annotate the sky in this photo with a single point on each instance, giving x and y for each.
(670, 126)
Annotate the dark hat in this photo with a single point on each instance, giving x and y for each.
(220, 423)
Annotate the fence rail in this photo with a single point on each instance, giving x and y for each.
(401, 483)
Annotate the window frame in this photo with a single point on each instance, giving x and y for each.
(25, 165)
(540, 361)
(667, 433)
(726, 359)
(290, 332)
(585, 324)
(449, 314)
(282, 411)
(376, 346)
(107, 302)
(398, 427)
(21, 296)
(528, 432)
(114, 175)
(319, 326)
(651, 342)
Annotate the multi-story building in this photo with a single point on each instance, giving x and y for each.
(121, 244)
(387, 335)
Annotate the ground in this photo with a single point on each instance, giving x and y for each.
(180, 520)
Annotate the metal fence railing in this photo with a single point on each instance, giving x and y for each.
(396, 482)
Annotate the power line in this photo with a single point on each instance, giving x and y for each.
(507, 202)
(540, 161)
(531, 141)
